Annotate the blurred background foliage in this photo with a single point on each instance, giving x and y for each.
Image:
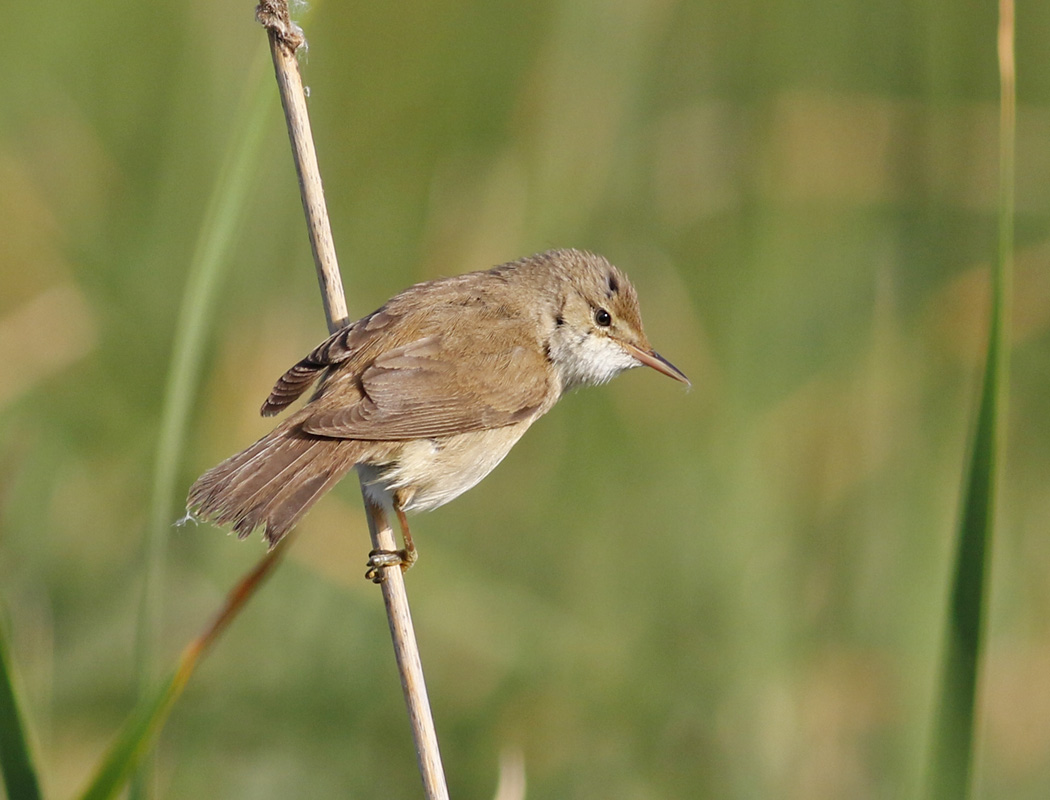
(732, 592)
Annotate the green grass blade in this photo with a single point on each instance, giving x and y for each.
(954, 725)
(16, 762)
(952, 755)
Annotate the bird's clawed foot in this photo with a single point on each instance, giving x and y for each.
(379, 560)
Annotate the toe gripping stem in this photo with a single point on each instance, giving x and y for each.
(379, 560)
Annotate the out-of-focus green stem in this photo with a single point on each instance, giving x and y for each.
(208, 266)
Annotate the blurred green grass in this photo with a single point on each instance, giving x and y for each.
(735, 592)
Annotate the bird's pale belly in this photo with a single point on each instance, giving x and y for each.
(430, 472)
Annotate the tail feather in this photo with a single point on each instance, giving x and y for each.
(271, 484)
(261, 479)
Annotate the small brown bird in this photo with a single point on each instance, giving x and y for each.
(426, 395)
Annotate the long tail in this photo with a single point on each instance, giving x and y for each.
(274, 482)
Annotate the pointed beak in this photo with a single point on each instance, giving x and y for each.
(653, 359)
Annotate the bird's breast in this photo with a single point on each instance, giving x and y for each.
(431, 472)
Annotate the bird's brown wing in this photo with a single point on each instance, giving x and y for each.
(438, 385)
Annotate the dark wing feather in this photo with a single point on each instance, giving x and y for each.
(426, 389)
(337, 348)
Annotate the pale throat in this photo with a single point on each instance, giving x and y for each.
(588, 359)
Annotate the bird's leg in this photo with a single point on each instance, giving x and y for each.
(409, 554)
(378, 559)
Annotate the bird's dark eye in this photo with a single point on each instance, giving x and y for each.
(603, 318)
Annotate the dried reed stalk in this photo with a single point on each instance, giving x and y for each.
(285, 39)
